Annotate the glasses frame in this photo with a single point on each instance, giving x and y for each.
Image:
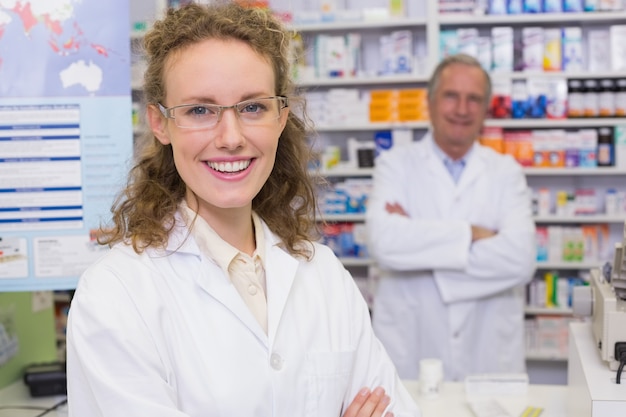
(168, 112)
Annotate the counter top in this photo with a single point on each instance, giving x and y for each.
(451, 401)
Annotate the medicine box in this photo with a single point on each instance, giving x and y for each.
(468, 41)
(618, 47)
(599, 50)
(572, 47)
(552, 49)
(502, 42)
(532, 48)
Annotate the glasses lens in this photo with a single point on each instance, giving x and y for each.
(255, 112)
(259, 111)
(196, 115)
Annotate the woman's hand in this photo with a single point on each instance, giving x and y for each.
(369, 404)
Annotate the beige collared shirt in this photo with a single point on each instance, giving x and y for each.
(247, 273)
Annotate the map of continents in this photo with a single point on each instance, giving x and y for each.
(52, 48)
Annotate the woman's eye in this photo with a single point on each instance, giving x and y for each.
(252, 108)
(201, 111)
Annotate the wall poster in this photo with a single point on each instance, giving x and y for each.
(65, 135)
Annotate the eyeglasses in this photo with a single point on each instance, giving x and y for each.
(254, 112)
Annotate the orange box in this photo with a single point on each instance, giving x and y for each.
(376, 95)
(409, 116)
(383, 116)
(413, 94)
(383, 106)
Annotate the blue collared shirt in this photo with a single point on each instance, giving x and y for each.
(455, 168)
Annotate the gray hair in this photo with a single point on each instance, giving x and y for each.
(462, 59)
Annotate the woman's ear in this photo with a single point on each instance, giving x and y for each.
(158, 124)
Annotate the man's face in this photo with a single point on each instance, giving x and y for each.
(458, 108)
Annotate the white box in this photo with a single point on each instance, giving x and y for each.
(599, 50)
(618, 47)
(502, 44)
(484, 52)
(532, 48)
(468, 41)
(572, 43)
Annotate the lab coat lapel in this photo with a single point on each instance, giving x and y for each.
(436, 169)
(214, 281)
(280, 272)
(440, 185)
(219, 287)
(474, 168)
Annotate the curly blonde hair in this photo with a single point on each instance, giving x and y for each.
(143, 213)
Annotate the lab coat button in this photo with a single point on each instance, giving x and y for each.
(276, 361)
(456, 335)
(252, 289)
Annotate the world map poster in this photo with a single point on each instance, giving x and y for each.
(66, 135)
(56, 48)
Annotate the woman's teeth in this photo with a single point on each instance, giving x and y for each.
(229, 166)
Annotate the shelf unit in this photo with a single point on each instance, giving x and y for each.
(434, 23)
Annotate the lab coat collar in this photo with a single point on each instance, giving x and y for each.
(280, 272)
(474, 164)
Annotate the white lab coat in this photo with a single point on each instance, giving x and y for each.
(166, 334)
(439, 295)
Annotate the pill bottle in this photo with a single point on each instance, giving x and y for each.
(606, 100)
(591, 98)
(575, 106)
(620, 98)
(606, 148)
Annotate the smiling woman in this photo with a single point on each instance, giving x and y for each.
(215, 298)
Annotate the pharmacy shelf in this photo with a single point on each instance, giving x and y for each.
(522, 75)
(552, 311)
(539, 356)
(359, 25)
(374, 126)
(529, 171)
(352, 261)
(363, 81)
(344, 217)
(459, 19)
(553, 219)
(555, 123)
(581, 219)
(344, 173)
(503, 123)
(577, 171)
(563, 265)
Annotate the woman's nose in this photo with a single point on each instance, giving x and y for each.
(228, 129)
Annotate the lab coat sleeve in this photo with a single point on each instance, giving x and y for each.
(410, 243)
(113, 367)
(503, 261)
(372, 366)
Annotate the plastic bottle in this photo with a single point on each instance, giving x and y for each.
(620, 98)
(590, 98)
(606, 154)
(575, 103)
(606, 99)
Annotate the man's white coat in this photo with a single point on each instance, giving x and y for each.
(440, 295)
